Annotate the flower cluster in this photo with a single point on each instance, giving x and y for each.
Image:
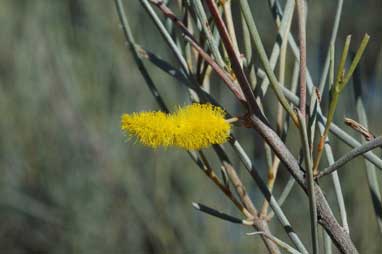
(193, 127)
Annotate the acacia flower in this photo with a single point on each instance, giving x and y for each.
(192, 127)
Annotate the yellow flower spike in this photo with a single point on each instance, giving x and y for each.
(200, 126)
(152, 129)
(193, 127)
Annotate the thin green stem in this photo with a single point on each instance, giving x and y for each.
(332, 64)
(280, 243)
(337, 131)
(340, 83)
(264, 59)
(234, 58)
(302, 41)
(244, 196)
(334, 97)
(213, 45)
(282, 36)
(356, 59)
(366, 147)
(223, 216)
(227, 7)
(131, 43)
(162, 29)
(268, 195)
(330, 157)
(341, 68)
(248, 53)
(282, 121)
(309, 175)
(327, 244)
(370, 168)
(333, 37)
(327, 219)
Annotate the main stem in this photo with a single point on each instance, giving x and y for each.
(325, 216)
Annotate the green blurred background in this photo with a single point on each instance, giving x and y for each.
(69, 181)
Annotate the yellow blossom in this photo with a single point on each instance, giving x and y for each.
(193, 127)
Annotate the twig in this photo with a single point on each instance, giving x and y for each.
(205, 167)
(236, 90)
(131, 43)
(177, 74)
(282, 121)
(166, 36)
(241, 191)
(144, 54)
(330, 158)
(333, 37)
(325, 215)
(284, 194)
(327, 244)
(334, 98)
(199, 10)
(238, 185)
(356, 59)
(282, 244)
(264, 59)
(172, 44)
(302, 41)
(309, 172)
(281, 36)
(188, 37)
(370, 169)
(279, 49)
(220, 215)
(337, 131)
(234, 58)
(349, 140)
(227, 6)
(248, 53)
(351, 155)
(268, 195)
(342, 135)
(240, 94)
(312, 117)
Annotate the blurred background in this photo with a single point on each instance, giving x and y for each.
(71, 182)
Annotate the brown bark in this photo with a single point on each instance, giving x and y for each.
(325, 215)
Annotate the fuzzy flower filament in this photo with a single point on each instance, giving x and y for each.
(192, 127)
